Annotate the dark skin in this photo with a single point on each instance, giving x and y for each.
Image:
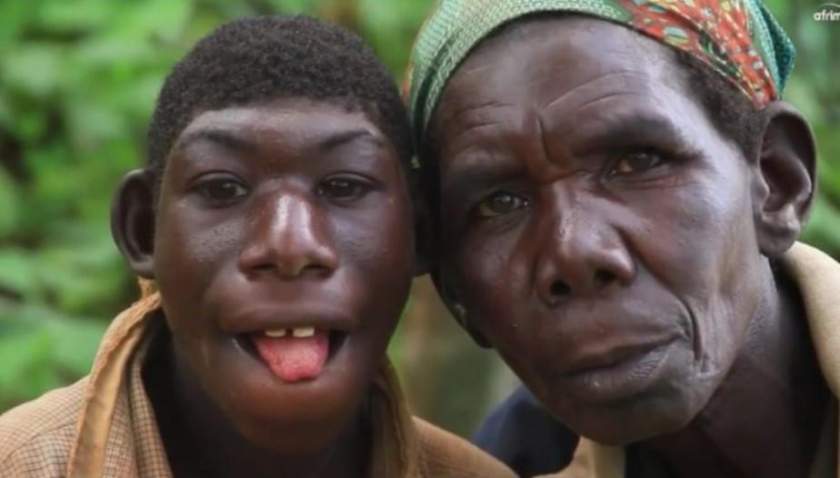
(283, 214)
(615, 248)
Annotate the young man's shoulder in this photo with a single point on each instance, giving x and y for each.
(446, 455)
(36, 437)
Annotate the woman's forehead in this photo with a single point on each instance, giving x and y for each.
(552, 66)
(552, 86)
(565, 48)
(738, 39)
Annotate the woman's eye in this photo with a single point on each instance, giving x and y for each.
(636, 162)
(222, 191)
(501, 203)
(343, 189)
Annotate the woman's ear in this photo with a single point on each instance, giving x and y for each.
(450, 297)
(133, 221)
(784, 185)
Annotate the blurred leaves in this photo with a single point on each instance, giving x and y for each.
(815, 91)
(41, 349)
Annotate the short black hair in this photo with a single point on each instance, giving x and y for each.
(263, 58)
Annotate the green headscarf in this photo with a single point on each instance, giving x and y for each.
(739, 39)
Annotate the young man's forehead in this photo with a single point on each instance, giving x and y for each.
(325, 125)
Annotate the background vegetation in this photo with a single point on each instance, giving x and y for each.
(78, 81)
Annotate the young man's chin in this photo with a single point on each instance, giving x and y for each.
(291, 438)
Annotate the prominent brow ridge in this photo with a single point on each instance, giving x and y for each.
(234, 142)
(219, 137)
(624, 130)
(461, 183)
(335, 140)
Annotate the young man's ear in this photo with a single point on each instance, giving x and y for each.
(785, 179)
(133, 221)
(450, 297)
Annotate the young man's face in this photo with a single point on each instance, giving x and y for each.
(284, 254)
(596, 226)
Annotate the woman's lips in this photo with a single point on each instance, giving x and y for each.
(617, 375)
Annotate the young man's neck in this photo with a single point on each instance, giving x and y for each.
(200, 441)
(766, 418)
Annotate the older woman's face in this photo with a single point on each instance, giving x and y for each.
(596, 226)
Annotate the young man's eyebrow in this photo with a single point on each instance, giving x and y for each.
(238, 143)
(222, 138)
(334, 140)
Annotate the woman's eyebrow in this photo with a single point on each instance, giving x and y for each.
(460, 182)
(629, 130)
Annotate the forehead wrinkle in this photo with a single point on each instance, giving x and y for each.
(606, 85)
(475, 120)
(545, 165)
(637, 96)
(611, 108)
(465, 108)
(470, 68)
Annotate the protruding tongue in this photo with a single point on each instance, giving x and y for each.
(293, 359)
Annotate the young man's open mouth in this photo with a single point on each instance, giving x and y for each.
(295, 354)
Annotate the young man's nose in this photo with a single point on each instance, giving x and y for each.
(288, 237)
(579, 254)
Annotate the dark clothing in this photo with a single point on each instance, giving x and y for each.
(523, 435)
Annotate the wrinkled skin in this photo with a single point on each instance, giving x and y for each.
(603, 236)
(274, 215)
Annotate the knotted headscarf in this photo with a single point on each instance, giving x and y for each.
(739, 39)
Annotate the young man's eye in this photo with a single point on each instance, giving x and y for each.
(500, 203)
(343, 189)
(221, 191)
(636, 162)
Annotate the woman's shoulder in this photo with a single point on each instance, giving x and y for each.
(36, 437)
(446, 455)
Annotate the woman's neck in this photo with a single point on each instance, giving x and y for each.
(201, 441)
(766, 417)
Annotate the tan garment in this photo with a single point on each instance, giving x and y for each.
(104, 425)
(818, 278)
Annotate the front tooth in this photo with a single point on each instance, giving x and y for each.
(276, 333)
(302, 332)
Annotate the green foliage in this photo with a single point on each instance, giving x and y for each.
(77, 82)
(41, 349)
(815, 91)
